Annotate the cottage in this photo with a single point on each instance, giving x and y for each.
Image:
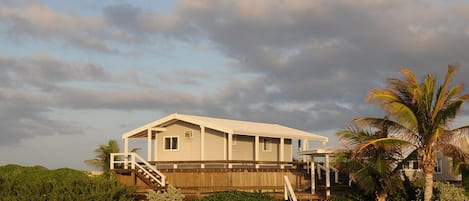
(180, 137)
(213, 154)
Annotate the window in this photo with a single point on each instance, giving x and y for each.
(266, 144)
(171, 143)
(406, 166)
(415, 165)
(439, 166)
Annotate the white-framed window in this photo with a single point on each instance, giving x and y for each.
(171, 143)
(266, 144)
(439, 166)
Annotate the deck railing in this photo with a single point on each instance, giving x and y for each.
(124, 160)
(246, 164)
(228, 164)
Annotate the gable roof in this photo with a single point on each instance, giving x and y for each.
(228, 126)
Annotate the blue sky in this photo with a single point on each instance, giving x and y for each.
(74, 74)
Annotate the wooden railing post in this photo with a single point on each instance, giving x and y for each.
(111, 163)
(313, 178)
(133, 161)
(126, 151)
(328, 176)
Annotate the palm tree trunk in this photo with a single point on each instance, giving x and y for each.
(428, 193)
(381, 197)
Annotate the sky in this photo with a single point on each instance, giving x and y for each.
(75, 74)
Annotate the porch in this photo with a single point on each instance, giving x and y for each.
(204, 154)
(308, 179)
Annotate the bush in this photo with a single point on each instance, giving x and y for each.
(238, 196)
(40, 184)
(444, 191)
(411, 191)
(349, 197)
(171, 194)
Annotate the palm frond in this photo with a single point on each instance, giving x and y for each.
(381, 96)
(455, 151)
(395, 129)
(410, 76)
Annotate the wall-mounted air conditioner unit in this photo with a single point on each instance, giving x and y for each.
(188, 134)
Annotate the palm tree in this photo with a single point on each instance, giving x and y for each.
(421, 113)
(373, 164)
(103, 156)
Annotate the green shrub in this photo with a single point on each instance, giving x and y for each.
(444, 191)
(40, 184)
(349, 197)
(238, 196)
(171, 194)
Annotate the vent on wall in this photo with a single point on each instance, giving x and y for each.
(188, 134)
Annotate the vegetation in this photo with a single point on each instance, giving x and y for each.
(171, 194)
(443, 191)
(421, 113)
(373, 166)
(40, 184)
(448, 192)
(238, 196)
(103, 156)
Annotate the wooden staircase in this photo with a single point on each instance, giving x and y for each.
(136, 165)
(150, 177)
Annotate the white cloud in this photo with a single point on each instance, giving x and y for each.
(307, 64)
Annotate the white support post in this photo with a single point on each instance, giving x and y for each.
(149, 134)
(328, 176)
(126, 151)
(202, 146)
(319, 171)
(133, 161)
(230, 149)
(155, 147)
(313, 177)
(282, 152)
(256, 151)
(225, 152)
(305, 147)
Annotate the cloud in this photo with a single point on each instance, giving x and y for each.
(33, 87)
(324, 52)
(24, 115)
(38, 21)
(45, 72)
(307, 64)
(184, 77)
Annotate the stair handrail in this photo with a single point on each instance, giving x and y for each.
(135, 162)
(289, 194)
(336, 172)
(148, 165)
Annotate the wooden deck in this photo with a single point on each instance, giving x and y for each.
(197, 182)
